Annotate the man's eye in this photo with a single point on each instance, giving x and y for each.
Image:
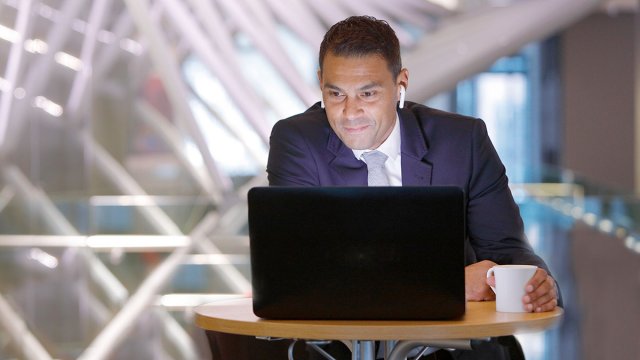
(335, 94)
(368, 94)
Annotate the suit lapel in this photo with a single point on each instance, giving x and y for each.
(349, 170)
(416, 170)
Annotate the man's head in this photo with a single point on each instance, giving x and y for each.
(359, 36)
(360, 77)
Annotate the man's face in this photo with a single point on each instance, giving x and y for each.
(360, 97)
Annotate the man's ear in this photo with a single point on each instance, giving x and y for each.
(403, 78)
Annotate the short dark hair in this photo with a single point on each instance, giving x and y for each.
(361, 36)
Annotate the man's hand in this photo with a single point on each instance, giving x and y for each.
(475, 281)
(541, 292)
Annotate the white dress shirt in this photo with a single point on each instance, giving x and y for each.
(391, 148)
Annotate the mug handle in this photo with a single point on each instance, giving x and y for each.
(490, 273)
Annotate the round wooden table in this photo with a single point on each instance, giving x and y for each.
(479, 322)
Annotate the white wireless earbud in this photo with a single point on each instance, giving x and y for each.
(322, 103)
(402, 94)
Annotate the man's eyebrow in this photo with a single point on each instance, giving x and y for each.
(362, 88)
(370, 86)
(332, 87)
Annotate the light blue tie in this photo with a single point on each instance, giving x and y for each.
(375, 165)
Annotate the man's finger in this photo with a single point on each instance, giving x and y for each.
(538, 279)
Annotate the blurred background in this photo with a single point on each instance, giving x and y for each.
(131, 130)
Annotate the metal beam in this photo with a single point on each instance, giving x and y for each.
(246, 100)
(213, 22)
(19, 332)
(155, 215)
(13, 69)
(371, 8)
(419, 18)
(171, 135)
(37, 76)
(465, 45)
(117, 330)
(297, 16)
(56, 222)
(76, 100)
(109, 54)
(168, 69)
(330, 11)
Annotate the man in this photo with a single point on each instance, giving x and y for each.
(363, 109)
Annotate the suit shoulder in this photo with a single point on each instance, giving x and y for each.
(314, 112)
(311, 118)
(424, 113)
(433, 120)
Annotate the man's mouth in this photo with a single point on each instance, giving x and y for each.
(356, 129)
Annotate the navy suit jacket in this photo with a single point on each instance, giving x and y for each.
(438, 148)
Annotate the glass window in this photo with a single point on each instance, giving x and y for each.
(501, 97)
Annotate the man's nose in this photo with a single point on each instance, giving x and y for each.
(352, 107)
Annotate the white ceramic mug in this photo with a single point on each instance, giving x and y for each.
(511, 281)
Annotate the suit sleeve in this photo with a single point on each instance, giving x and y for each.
(496, 230)
(290, 162)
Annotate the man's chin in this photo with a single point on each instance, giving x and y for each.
(357, 145)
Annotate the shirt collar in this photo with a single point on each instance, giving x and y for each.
(390, 147)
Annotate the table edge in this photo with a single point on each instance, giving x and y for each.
(374, 330)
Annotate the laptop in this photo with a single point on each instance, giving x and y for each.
(357, 253)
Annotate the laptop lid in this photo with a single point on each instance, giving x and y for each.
(357, 252)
